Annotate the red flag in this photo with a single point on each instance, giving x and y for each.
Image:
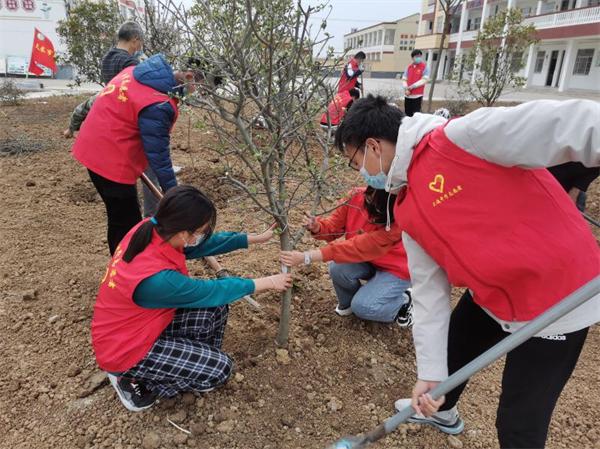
(42, 53)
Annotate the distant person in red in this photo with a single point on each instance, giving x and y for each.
(350, 74)
(338, 107)
(414, 79)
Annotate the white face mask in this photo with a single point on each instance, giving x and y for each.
(199, 239)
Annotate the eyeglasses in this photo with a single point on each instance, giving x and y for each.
(354, 154)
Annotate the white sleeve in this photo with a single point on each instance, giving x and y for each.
(431, 299)
(535, 134)
(349, 71)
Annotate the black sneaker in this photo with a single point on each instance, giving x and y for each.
(134, 395)
(405, 314)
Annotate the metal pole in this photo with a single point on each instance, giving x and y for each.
(574, 300)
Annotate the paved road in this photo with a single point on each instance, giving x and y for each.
(387, 87)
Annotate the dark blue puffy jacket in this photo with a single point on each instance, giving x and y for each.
(155, 121)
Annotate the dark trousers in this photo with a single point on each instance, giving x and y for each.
(533, 378)
(122, 207)
(412, 105)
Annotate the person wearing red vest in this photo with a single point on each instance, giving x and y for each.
(351, 72)
(414, 79)
(128, 128)
(384, 297)
(474, 209)
(155, 330)
(338, 107)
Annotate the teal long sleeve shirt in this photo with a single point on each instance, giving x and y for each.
(171, 289)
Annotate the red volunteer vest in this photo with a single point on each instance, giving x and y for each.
(109, 141)
(357, 222)
(123, 332)
(337, 108)
(511, 235)
(347, 83)
(415, 73)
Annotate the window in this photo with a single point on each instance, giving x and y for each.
(516, 62)
(476, 23)
(539, 61)
(28, 5)
(379, 36)
(583, 61)
(390, 35)
(12, 5)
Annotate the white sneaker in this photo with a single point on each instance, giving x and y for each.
(343, 312)
(177, 168)
(447, 421)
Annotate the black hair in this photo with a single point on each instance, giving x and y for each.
(376, 203)
(369, 117)
(360, 55)
(202, 71)
(416, 52)
(183, 208)
(130, 31)
(354, 93)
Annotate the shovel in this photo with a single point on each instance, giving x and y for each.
(210, 260)
(574, 300)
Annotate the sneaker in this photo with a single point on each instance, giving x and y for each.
(176, 169)
(405, 314)
(343, 312)
(447, 421)
(134, 395)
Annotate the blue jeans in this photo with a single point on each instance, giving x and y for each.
(378, 299)
(150, 201)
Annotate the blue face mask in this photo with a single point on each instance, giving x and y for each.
(418, 60)
(376, 181)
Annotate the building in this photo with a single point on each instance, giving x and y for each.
(567, 55)
(386, 44)
(18, 18)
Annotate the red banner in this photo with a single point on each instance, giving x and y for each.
(42, 53)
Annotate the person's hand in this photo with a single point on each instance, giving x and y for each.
(67, 133)
(264, 237)
(291, 258)
(311, 223)
(422, 401)
(279, 282)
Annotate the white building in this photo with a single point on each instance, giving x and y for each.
(566, 57)
(18, 18)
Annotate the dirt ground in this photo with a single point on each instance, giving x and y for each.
(341, 376)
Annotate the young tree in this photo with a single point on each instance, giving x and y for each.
(88, 33)
(449, 7)
(160, 30)
(265, 112)
(497, 56)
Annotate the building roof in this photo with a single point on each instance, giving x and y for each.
(380, 24)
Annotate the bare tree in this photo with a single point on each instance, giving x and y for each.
(497, 57)
(265, 111)
(449, 8)
(160, 30)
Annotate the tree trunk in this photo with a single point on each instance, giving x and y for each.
(285, 240)
(445, 30)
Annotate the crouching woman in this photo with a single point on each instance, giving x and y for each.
(155, 330)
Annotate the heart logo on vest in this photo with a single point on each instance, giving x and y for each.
(437, 185)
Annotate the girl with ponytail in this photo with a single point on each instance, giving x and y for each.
(156, 331)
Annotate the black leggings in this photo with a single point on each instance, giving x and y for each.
(534, 373)
(122, 208)
(412, 105)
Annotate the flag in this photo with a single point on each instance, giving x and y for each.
(42, 53)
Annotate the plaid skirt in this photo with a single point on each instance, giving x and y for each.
(187, 355)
